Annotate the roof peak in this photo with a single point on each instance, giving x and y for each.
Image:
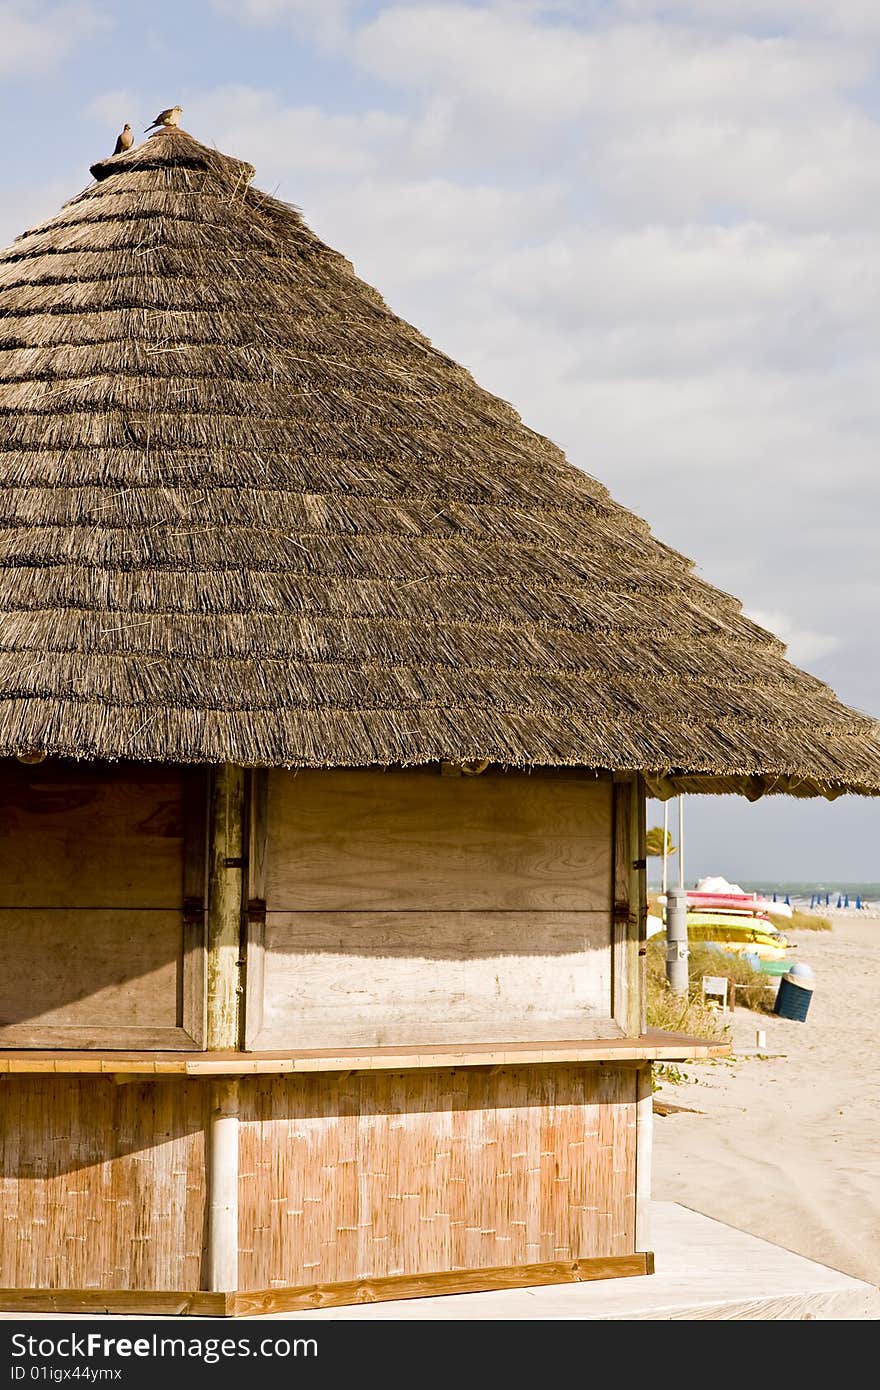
(249, 515)
(173, 148)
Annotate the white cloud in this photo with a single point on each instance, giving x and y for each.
(327, 20)
(556, 72)
(25, 207)
(848, 17)
(817, 165)
(294, 139)
(803, 644)
(34, 36)
(115, 107)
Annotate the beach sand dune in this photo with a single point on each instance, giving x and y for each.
(789, 1147)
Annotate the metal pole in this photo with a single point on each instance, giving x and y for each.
(676, 940)
(665, 843)
(681, 842)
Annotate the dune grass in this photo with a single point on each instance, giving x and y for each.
(800, 921)
(691, 1014)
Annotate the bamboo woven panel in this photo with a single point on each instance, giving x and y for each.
(412, 1172)
(101, 1186)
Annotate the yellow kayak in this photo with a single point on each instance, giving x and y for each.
(733, 927)
(738, 933)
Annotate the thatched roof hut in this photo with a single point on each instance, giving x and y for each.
(251, 516)
(387, 1021)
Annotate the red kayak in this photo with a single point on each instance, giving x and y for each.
(730, 902)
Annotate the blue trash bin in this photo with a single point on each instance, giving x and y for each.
(795, 993)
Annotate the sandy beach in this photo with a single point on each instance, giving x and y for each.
(788, 1146)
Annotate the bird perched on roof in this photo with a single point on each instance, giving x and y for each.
(167, 118)
(125, 140)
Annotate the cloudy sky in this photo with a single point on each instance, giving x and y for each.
(654, 225)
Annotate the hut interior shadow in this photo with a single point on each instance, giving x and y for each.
(92, 879)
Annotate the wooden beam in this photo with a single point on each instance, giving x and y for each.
(222, 1203)
(226, 865)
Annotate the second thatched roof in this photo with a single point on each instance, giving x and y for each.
(250, 515)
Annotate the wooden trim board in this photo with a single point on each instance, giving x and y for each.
(655, 1046)
(255, 893)
(191, 999)
(131, 1301)
(262, 1301)
(638, 810)
(625, 1003)
(629, 906)
(79, 1037)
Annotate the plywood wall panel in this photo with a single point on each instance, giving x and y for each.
(379, 979)
(91, 835)
(96, 968)
(348, 1177)
(393, 840)
(407, 907)
(96, 861)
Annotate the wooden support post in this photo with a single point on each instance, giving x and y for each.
(644, 1156)
(222, 1251)
(258, 835)
(626, 905)
(225, 906)
(639, 811)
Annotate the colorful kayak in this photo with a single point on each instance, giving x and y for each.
(734, 902)
(746, 902)
(738, 933)
(740, 923)
(774, 967)
(727, 916)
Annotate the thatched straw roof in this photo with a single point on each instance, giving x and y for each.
(248, 514)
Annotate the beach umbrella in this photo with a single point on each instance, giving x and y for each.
(859, 903)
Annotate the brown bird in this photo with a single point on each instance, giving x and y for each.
(125, 140)
(167, 118)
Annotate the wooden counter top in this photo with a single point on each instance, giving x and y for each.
(654, 1046)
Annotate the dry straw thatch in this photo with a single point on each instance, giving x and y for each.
(250, 515)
